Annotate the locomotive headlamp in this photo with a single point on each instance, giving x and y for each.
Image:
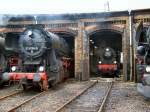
(99, 62)
(41, 68)
(29, 32)
(148, 69)
(107, 49)
(115, 62)
(13, 68)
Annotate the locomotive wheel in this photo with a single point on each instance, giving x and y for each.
(45, 85)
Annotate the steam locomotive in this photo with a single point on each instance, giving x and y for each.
(108, 62)
(3, 65)
(143, 66)
(39, 61)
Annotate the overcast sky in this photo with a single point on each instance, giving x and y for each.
(68, 6)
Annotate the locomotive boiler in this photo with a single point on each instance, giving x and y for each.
(40, 58)
(108, 63)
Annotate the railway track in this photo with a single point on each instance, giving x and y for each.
(105, 98)
(10, 94)
(9, 91)
(13, 101)
(56, 97)
(91, 100)
(13, 109)
(16, 107)
(95, 95)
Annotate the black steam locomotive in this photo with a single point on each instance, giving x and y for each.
(2, 57)
(39, 61)
(143, 65)
(108, 62)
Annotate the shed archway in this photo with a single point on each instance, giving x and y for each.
(69, 38)
(98, 41)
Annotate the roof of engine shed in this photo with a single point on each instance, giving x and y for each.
(74, 16)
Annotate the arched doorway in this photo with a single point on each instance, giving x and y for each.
(69, 38)
(98, 41)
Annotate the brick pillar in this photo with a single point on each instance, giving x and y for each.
(81, 55)
(78, 52)
(85, 57)
(125, 55)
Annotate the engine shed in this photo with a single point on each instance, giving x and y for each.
(118, 29)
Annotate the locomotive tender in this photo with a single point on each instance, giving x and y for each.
(39, 58)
